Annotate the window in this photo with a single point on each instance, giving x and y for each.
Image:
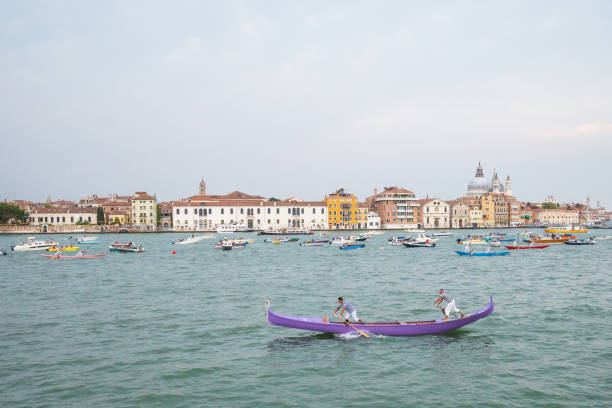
(278, 210)
(259, 211)
(222, 212)
(178, 211)
(269, 221)
(63, 219)
(322, 210)
(277, 221)
(242, 211)
(71, 219)
(302, 211)
(231, 210)
(186, 211)
(289, 211)
(51, 219)
(314, 211)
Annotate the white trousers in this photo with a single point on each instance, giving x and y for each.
(451, 308)
(351, 316)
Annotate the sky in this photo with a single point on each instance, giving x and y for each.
(288, 99)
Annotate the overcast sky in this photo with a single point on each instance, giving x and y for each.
(300, 98)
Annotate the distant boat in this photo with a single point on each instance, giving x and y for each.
(413, 244)
(189, 240)
(77, 256)
(443, 234)
(499, 253)
(352, 246)
(286, 231)
(580, 242)
(563, 230)
(84, 239)
(527, 246)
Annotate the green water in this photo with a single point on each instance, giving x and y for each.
(161, 330)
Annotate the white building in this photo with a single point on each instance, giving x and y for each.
(62, 216)
(207, 212)
(373, 221)
(435, 213)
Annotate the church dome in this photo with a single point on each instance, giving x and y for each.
(478, 185)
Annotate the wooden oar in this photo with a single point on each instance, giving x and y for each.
(348, 324)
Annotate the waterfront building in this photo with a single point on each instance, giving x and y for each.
(488, 210)
(253, 213)
(397, 208)
(557, 217)
(342, 210)
(373, 220)
(362, 215)
(476, 216)
(45, 216)
(435, 213)
(459, 214)
(165, 215)
(144, 211)
(117, 212)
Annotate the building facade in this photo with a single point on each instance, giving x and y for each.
(262, 215)
(62, 216)
(435, 213)
(144, 211)
(397, 208)
(561, 217)
(342, 210)
(459, 214)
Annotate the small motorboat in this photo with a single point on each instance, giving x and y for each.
(2, 252)
(416, 244)
(189, 240)
(315, 242)
(424, 238)
(341, 241)
(34, 245)
(129, 247)
(84, 239)
(492, 253)
(576, 241)
(351, 246)
(603, 238)
(226, 244)
(526, 246)
(443, 234)
(390, 328)
(414, 230)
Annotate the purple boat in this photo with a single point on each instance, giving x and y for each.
(322, 324)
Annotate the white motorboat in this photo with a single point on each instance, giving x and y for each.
(425, 239)
(231, 228)
(33, 245)
(84, 239)
(189, 240)
(414, 230)
(443, 234)
(341, 241)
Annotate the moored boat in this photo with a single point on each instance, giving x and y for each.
(566, 230)
(392, 328)
(352, 246)
(414, 244)
(315, 242)
(289, 231)
(470, 253)
(34, 245)
(526, 246)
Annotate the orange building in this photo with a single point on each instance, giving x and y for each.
(342, 210)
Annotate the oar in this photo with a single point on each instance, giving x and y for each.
(348, 324)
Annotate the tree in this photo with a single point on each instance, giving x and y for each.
(100, 215)
(159, 214)
(10, 212)
(550, 206)
(273, 199)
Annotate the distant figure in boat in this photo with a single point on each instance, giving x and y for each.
(348, 310)
(450, 304)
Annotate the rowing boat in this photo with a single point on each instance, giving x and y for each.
(396, 328)
(527, 247)
(499, 253)
(73, 256)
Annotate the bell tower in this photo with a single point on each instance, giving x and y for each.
(508, 189)
(202, 187)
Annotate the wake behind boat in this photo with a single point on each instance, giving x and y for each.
(392, 328)
(189, 240)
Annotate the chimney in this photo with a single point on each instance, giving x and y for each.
(375, 192)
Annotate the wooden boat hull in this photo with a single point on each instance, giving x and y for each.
(404, 328)
(500, 253)
(93, 256)
(527, 247)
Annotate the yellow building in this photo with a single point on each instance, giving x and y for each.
(342, 210)
(362, 215)
(487, 206)
(144, 211)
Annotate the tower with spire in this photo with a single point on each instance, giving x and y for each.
(202, 187)
(508, 187)
(495, 184)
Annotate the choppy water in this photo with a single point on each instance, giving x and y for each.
(162, 330)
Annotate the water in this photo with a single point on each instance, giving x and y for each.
(161, 330)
